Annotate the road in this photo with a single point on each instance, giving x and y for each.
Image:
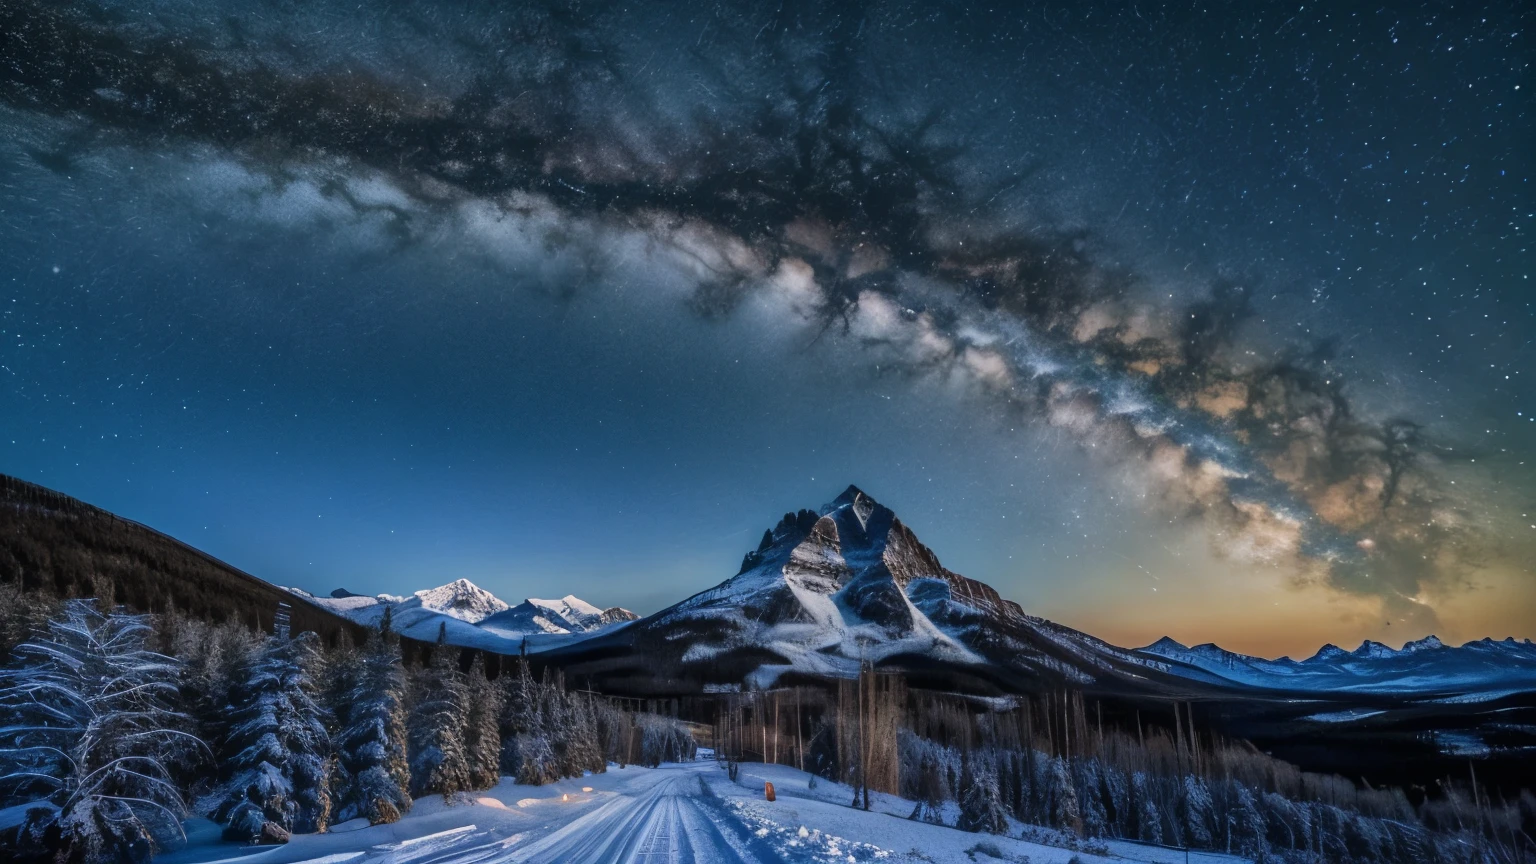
(673, 820)
(675, 814)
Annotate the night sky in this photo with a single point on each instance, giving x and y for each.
(1213, 322)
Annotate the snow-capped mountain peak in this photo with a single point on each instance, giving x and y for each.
(570, 607)
(461, 599)
(1329, 653)
(1428, 643)
(470, 615)
(569, 614)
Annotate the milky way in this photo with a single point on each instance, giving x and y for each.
(790, 169)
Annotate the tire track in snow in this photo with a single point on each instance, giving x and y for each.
(668, 824)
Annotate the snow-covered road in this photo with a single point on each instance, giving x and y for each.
(676, 814)
(676, 821)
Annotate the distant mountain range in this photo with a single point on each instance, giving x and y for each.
(1481, 669)
(470, 616)
(826, 589)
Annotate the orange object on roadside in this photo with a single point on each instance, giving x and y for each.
(768, 790)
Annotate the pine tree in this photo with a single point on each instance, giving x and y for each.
(1247, 825)
(517, 715)
(372, 744)
(277, 757)
(1149, 821)
(537, 747)
(981, 802)
(586, 753)
(437, 726)
(1197, 812)
(1065, 812)
(87, 734)
(482, 728)
(213, 657)
(1090, 798)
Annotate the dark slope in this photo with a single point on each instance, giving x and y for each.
(55, 544)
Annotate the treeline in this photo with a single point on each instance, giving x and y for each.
(1052, 761)
(114, 726)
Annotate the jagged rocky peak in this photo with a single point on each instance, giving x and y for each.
(618, 614)
(857, 548)
(862, 506)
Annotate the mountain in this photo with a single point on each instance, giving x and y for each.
(569, 614)
(461, 599)
(472, 617)
(828, 589)
(1426, 667)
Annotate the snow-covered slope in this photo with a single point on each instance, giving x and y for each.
(1425, 666)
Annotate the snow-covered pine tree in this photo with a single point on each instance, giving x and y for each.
(482, 737)
(1090, 797)
(1247, 834)
(1149, 820)
(537, 759)
(88, 734)
(277, 762)
(517, 714)
(343, 662)
(1066, 813)
(555, 717)
(372, 744)
(536, 747)
(437, 726)
(586, 749)
(1196, 812)
(212, 657)
(981, 803)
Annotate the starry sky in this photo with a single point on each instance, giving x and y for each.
(1211, 322)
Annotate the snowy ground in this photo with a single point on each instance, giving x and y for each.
(676, 814)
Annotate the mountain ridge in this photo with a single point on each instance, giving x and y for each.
(455, 607)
